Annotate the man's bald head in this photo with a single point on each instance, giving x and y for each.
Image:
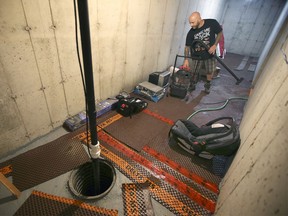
(195, 20)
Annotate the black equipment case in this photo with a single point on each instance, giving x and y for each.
(180, 81)
(130, 106)
(180, 84)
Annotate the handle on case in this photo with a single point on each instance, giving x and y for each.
(182, 56)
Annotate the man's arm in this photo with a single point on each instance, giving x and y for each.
(219, 35)
(186, 53)
(214, 46)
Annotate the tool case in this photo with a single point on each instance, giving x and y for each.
(181, 80)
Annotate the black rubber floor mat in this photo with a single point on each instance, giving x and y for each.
(175, 108)
(47, 161)
(39, 203)
(136, 199)
(137, 131)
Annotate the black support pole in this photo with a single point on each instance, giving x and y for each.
(83, 15)
(88, 69)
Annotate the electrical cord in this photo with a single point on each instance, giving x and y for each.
(82, 77)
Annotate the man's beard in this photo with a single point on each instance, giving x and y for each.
(197, 25)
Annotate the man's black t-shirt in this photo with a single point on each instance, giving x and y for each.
(206, 34)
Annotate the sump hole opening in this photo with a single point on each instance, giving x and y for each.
(83, 182)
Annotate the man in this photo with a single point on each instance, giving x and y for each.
(206, 31)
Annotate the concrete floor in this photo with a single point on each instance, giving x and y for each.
(58, 186)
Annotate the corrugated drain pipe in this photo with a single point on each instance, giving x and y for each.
(82, 182)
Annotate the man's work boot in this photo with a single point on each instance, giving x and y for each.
(207, 86)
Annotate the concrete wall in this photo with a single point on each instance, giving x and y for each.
(256, 183)
(39, 73)
(247, 24)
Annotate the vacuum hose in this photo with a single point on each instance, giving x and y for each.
(217, 108)
(239, 80)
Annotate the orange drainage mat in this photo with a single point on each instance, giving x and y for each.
(160, 190)
(181, 193)
(137, 200)
(39, 203)
(177, 167)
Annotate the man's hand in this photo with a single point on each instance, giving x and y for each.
(212, 49)
(185, 63)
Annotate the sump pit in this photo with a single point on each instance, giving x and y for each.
(83, 181)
